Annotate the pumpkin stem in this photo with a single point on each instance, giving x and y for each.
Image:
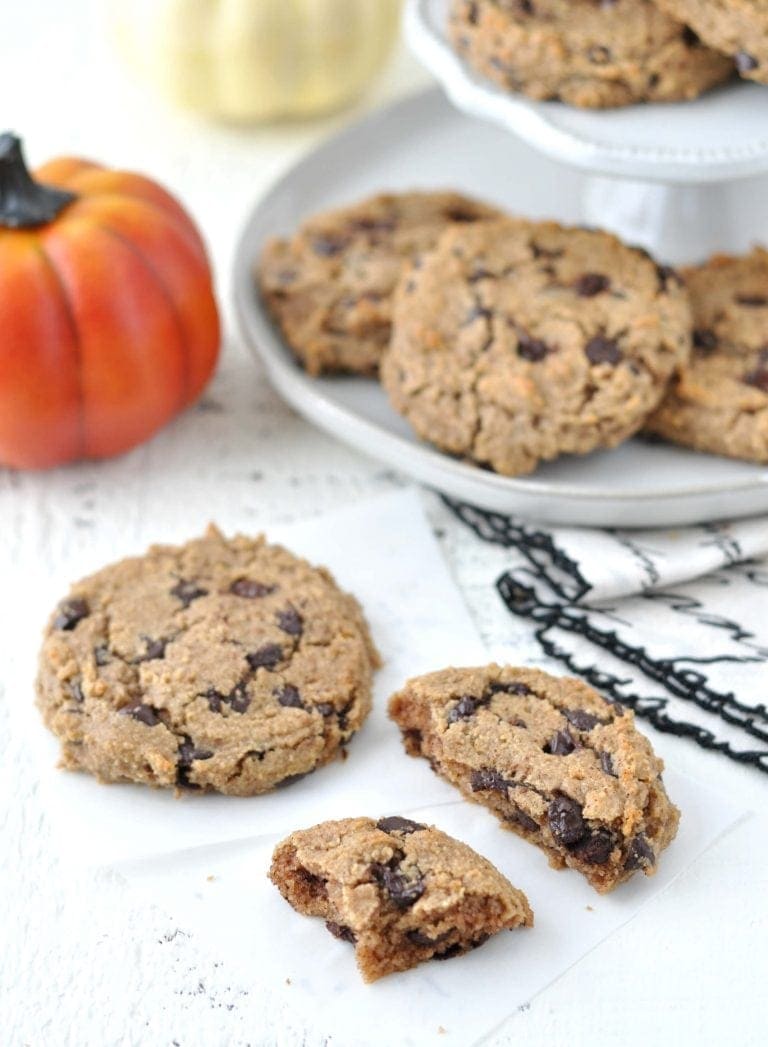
(24, 203)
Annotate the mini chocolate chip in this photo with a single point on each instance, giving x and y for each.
(290, 779)
(101, 654)
(466, 707)
(545, 252)
(754, 301)
(566, 821)
(373, 225)
(757, 378)
(560, 744)
(690, 39)
(290, 621)
(402, 892)
(325, 708)
(745, 62)
(188, 752)
(596, 848)
(266, 657)
(522, 819)
(705, 340)
(397, 824)
(249, 589)
(459, 948)
(459, 214)
(606, 762)
(516, 687)
(602, 350)
(639, 854)
(289, 696)
(153, 650)
(186, 592)
(76, 690)
(328, 245)
(215, 699)
(338, 930)
(419, 938)
(599, 55)
(70, 613)
(590, 284)
(238, 698)
(488, 780)
(142, 712)
(581, 719)
(666, 275)
(479, 274)
(533, 349)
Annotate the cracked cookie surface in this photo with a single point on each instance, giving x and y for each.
(558, 764)
(516, 341)
(590, 53)
(228, 665)
(719, 402)
(399, 891)
(738, 28)
(330, 286)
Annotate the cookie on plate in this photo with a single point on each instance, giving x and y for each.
(719, 403)
(738, 28)
(515, 342)
(399, 891)
(588, 54)
(330, 286)
(228, 665)
(558, 764)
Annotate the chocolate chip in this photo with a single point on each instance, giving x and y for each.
(328, 246)
(249, 589)
(101, 654)
(466, 707)
(758, 379)
(590, 284)
(238, 698)
(745, 62)
(596, 848)
(458, 214)
(516, 687)
(338, 930)
(289, 696)
(666, 275)
(544, 252)
(215, 699)
(397, 824)
(522, 819)
(705, 340)
(479, 274)
(266, 657)
(186, 592)
(419, 938)
(488, 780)
(560, 744)
(581, 719)
(290, 621)
(153, 650)
(402, 892)
(566, 821)
(639, 854)
(602, 350)
(533, 349)
(188, 752)
(76, 690)
(754, 301)
(599, 55)
(459, 948)
(290, 779)
(70, 613)
(373, 225)
(142, 712)
(606, 762)
(325, 708)
(690, 39)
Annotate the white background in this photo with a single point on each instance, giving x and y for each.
(82, 962)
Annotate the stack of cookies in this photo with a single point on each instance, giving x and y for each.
(601, 53)
(507, 342)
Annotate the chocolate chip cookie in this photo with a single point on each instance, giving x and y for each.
(400, 892)
(738, 28)
(719, 402)
(330, 287)
(515, 342)
(227, 665)
(558, 764)
(584, 52)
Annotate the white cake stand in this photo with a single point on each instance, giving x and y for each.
(680, 179)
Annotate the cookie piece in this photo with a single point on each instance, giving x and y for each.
(738, 28)
(227, 665)
(399, 891)
(558, 764)
(589, 54)
(330, 287)
(719, 403)
(515, 342)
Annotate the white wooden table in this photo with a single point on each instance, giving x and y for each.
(81, 962)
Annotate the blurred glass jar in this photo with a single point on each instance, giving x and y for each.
(248, 60)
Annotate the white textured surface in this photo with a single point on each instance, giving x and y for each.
(82, 961)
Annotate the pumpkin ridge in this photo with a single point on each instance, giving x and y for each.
(70, 314)
(152, 270)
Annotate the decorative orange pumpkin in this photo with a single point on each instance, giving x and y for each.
(108, 322)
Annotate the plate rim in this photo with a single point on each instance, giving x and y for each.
(473, 94)
(305, 393)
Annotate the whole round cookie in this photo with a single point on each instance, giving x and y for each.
(590, 54)
(225, 665)
(738, 28)
(719, 402)
(515, 342)
(330, 286)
